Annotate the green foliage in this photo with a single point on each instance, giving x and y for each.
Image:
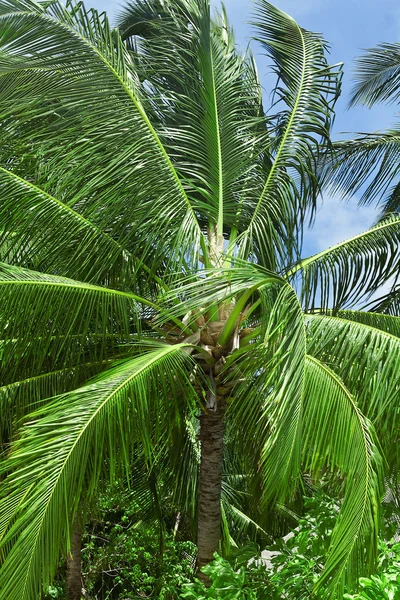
(297, 565)
(129, 554)
(385, 585)
(151, 212)
(127, 563)
(231, 580)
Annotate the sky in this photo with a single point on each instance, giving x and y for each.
(349, 26)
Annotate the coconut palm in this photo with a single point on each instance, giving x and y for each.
(150, 233)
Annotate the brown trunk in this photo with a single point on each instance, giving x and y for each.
(74, 573)
(209, 514)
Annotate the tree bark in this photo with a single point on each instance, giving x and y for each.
(74, 572)
(209, 513)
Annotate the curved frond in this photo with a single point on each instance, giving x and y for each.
(308, 87)
(364, 350)
(336, 434)
(351, 270)
(63, 451)
(377, 75)
(266, 407)
(81, 107)
(41, 232)
(19, 398)
(369, 162)
(46, 322)
(389, 303)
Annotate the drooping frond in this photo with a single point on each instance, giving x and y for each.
(389, 303)
(377, 75)
(266, 406)
(363, 349)
(49, 322)
(19, 398)
(307, 88)
(349, 271)
(41, 232)
(62, 453)
(81, 109)
(338, 436)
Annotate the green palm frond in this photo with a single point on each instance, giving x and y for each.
(377, 75)
(386, 323)
(19, 398)
(98, 134)
(61, 455)
(308, 87)
(214, 127)
(267, 401)
(369, 162)
(49, 322)
(389, 303)
(33, 224)
(343, 275)
(364, 350)
(336, 434)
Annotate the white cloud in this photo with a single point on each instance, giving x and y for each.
(337, 221)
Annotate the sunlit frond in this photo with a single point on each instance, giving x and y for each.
(266, 405)
(336, 434)
(61, 455)
(49, 322)
(364, 350)
(308, 88)
(80, 107)
(341, 276)
(369, 162)
(377, 75)
(41, 232)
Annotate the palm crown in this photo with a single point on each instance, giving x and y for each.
(150, 233)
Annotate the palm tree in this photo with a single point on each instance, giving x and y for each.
(150, 232)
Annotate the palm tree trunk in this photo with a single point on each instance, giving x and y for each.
(74, 572)
(209, 513)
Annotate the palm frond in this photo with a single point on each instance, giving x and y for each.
(33, 225)
(351, 270)
(308, 88)
(363, 349)
(336, 434)
(81, 108)
(61, 455)
(377, 75)
(389, 303)
(19, 398)
(266, 406)
(209, 99)
(49, 322)
(369, 162)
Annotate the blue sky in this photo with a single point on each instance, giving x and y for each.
(349, 26)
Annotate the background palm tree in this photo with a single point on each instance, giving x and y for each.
(372, 158)
(150, 233)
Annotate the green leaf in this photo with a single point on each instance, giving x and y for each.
(64, 450)
(336, 434)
